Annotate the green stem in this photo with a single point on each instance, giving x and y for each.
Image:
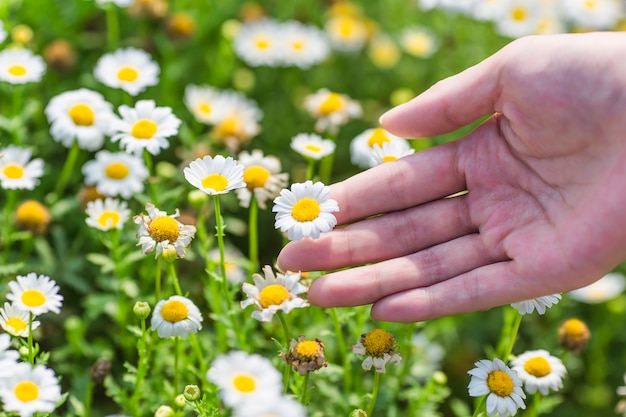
(174, 277)
(253, 234)
(142, 369)
(219, 232)
(8, 224)
(287, 370)
(512, 321)
(534, 411)
(480, 406)
(176, 360)
(195, 344)
(305, 387)
(341, 347)
(370, 409)
(310, 169)
(151, 186)
(18, 98)
(67, 171)
(157, 281)
(113, 27)
(31, 349)
(88, 398)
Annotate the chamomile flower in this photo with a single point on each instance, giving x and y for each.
(107, 214)
(302, 45)
(274, 293)
(312, 146)
(215, 175)
(606, 288)
(242, 377)
(145, 126)
(130, 69)
(28, 390)
(160, 231)
(390, 151)
(14, 320)
(362, 146)
(81, 116)
(304, 355)
(237, 120)
(262, 177)
(18, 170)
(519, 18)
(539, 371)
(593, 14)
(203, 101)
(176, 316)
(258, 43)
(305, 210)
(278, 407)
(347, 32)
(540, 304)
(36, 294)
(20, 66)
(501, 384)
(331, 109)
(116, 173)
(8, 356)
(380, 348)
(383, 51)
(418, 42)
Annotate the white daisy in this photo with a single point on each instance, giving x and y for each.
(80, 115)
(130, 69)
(519, 18)
(119, 3)
(390, 151)
(539, 371)
(215, 175)
(28, 390)
(453, 6)
(380, 348)
(418, 41)
(14, 320)
(237, 120)
(331, 109)
(176, 316)
(278, 407)
(501, 384)
(312, 146)
(305, 210)
(346, 32)
(490, 10)
(116, 173)
(159, 230)
(259, 43)
(593, 14)
(203, 101)
(8, 356)
(362, 146)
(273, 293)
(302, 45)
(107, 214)
(36, 294)
(540, 304)
(262, 177)
(383, 51)
(20, 66)
(145, 126)
(606, 288)
(242, 377)
(18, 170)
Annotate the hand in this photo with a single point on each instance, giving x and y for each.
(545, 210)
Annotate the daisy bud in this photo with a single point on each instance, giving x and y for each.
(164, 411)
(197, 197)
(169, 254)
(60, 55)
(141, 309)
(357, 413)
(574, 335)
(180, 401)
(192, 392)
(24, 351)
(34, 216)
(22, 34)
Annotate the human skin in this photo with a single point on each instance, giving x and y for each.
(545, 210)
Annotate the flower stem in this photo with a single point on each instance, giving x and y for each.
(88, 398)
(341, 346)
(480, 406)
(512, 321)
(31, 349)
(67, 171)
(310, 169)
(157, 281)
(174, 277)
(142, 368)
(253, 234)
(219, 232)
(305, 388)
(287, 371)
(113, 27)
(176, 360)
(198, 350)
(370, 409)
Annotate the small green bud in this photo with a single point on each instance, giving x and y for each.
(169, 254)
(142, 310)
(166, 170)
(180, 401)
(440, 378)
(197, 198)
(357, 413)
(164, 411)
(24, 351)
(192, 392)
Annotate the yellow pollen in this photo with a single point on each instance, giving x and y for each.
(537, 366)
(389, 158)
(26, 391)
(116, 171)
(216, 182)
(306, 209)
(164, 228)
(346, 27)
(109, 218)
(17, 70)
(333, 103)
(378, 138)
(17, 324)
(378, 342)
(255, 176)
(313, 148)
(81, 114)
(273, 295)
(144, 129)
(229, 127)
(262, 43)
(31, 212)
(13, 171)
(518, 14)
(500, 383)
(174, 311)
(574, 327)
(590, 4)
(307, 350)
(127, 74)
(204, 108)
(244, 383)
(33, 298)
(297, 45)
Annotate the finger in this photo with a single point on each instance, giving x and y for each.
(367, 284)
(379, 238)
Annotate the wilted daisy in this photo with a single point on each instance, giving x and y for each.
(274, 293)
(362, 146)
(380, 348)
(331, 109)
(539, 371)
(574, 335)
(304, 355)
(215, 175)
(501, 384)
(312, 146)
(159, 230)
(593, 14)
(302, 45)
(176, 316)
(606, 288)
(130, 69)
(262, 177)
(37, 294)
(278, 407)
(8, 356)
(390, 151)
(33, 216)
(107, 214)
(203, 101)
(243, 377)
(145, 126)
(20, 66)
(346, 32)
(237, 120)
(81, 116)
(116, 173)
(28, 390)
(18, 170)
(14, 320)
(259, 43)
(419, 42)
(305, 210)
(540, 304)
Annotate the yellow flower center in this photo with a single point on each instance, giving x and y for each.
(378, 342)
(17, 324)
(333, 103)
(297, 45)
(127, 74)
(204, 108)
(273, 295)
(313, 148)
(347, 26)
(144, 129)
(389, 158)
(17, 70)
(109, 218)
(307, 350)
(116, 171)
(518, 14)
(419, 44)
(228, 127)
(31, 212)
(574, 328)
(537, 366)
(244, 383)
(378, 137)
(164, 228)
(500, 383)
(590, 4)
(217, 182)
(13, 171)
(174, 311)
(82, 115)
(306, 209)
(255, 176)
(26, 391)
(262, 43)
(33, 298)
